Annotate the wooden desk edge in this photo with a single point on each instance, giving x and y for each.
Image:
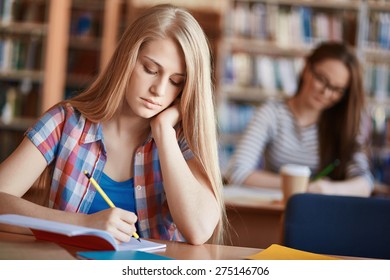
(13, 244)
(175, 250)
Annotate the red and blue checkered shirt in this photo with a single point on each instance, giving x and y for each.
(74, 144)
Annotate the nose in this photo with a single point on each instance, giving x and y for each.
(327, 92)
(159, 87)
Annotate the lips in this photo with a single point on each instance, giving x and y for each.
(150, 103)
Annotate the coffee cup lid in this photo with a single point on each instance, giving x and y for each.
(295, 169)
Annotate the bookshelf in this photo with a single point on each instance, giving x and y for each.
(93, 34)
(262, 53)
(23, 32)
(23, 37)
(376, 51)
(49, 50)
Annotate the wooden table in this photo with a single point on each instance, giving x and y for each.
(14, 246)
(19, 246)
(255, 216)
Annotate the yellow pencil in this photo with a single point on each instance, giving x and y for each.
(105, 197)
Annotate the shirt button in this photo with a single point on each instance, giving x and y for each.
(139, 188)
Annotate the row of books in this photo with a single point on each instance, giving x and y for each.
(234, 117)
(381, 167)
(275, 74)
(16, 103)
(225, 153)
(19, 54)
(380, 143)
(85, 24)
(232, 120)
(377, 80)
(7, 11)
(9, 104)
(291, 25)
(21, 11)
(265, 72)
(379, 30)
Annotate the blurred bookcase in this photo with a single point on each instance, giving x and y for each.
(23, 37)
(94, 30)
(49, 51)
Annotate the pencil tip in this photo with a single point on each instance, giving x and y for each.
(139, 240)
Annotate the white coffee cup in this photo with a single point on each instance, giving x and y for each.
(295, 179)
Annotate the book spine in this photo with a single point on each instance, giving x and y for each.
(7, 55)
(7, 15)
(306, 14)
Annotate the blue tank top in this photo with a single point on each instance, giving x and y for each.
(120, 193)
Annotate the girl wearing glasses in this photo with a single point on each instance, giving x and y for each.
(321, 124)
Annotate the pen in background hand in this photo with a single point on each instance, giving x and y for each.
(105, 197)
(327, 170)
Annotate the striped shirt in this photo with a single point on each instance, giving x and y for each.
(74, 144)
(273, 138)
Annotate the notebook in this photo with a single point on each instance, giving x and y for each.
(84, 237)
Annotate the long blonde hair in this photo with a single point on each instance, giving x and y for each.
(102, 100)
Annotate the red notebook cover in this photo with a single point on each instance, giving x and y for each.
(84, 241)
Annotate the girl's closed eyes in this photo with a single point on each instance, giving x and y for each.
(175, 81)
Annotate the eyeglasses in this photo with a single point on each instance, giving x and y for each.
(336, 91)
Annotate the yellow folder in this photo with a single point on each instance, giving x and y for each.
(278, 252)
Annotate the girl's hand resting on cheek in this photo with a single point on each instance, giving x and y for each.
(167, 118)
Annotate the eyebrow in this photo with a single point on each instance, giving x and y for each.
(337, 87)
(160, 66)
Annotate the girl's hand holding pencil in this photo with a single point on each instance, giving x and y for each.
(119, 222)
(320, 183)
(122, 221)
(327, 170)
(321, 186)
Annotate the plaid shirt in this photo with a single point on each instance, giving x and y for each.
(74, 144)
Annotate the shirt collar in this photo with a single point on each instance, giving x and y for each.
(92, 132)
